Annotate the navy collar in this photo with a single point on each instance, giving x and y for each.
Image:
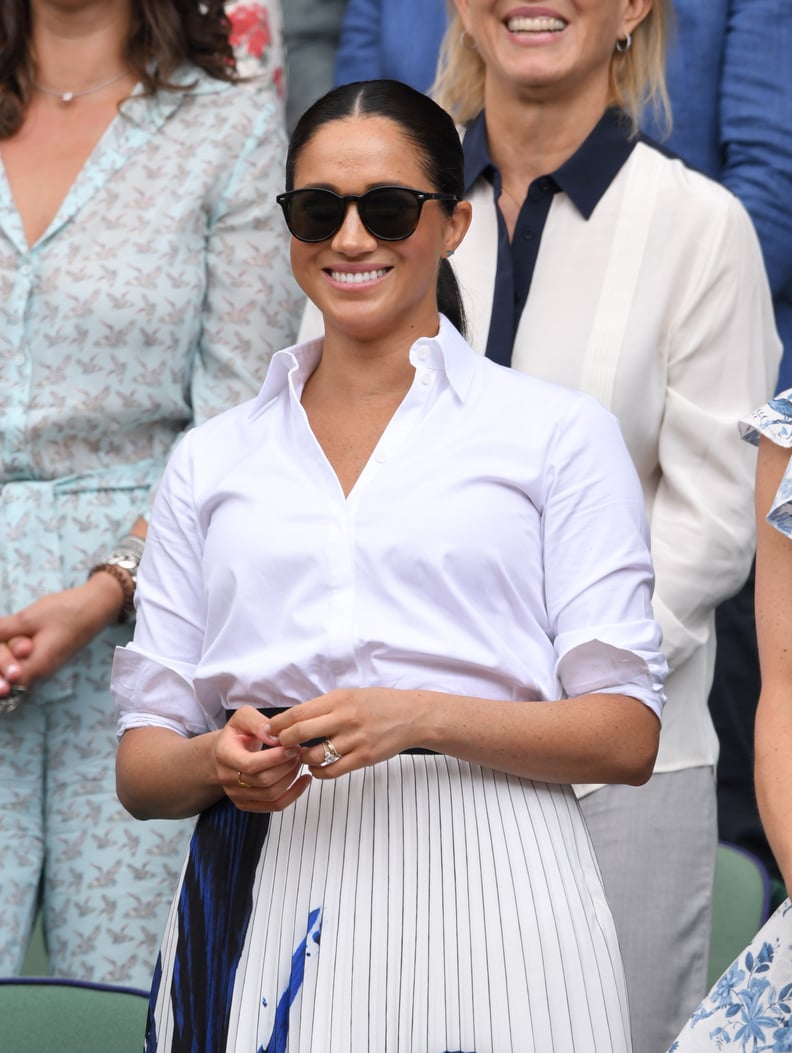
(584, 177)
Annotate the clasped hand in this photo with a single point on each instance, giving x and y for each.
(37, 640)
(365, 726)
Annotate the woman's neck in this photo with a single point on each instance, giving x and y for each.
(532, 136)
(78, 46)
(366, 370)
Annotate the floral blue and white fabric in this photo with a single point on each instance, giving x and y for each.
(749, 1010)
(774, 420)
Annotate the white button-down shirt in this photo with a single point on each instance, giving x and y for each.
(495, 545)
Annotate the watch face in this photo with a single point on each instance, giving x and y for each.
(127, 563)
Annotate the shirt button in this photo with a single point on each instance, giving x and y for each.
(544, 184)
(423, 353)
(26, 270)
(527, 235)
(426, 377)
(20, 360)
(379, 457)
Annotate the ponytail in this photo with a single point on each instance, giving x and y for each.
(449, 297)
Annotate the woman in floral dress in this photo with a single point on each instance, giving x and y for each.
(750, 1007)
(144, 283)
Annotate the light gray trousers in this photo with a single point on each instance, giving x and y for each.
(656, 846)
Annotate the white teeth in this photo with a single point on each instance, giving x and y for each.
(357, 277)
(541, 24)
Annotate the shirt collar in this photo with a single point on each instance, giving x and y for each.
(584, 177)
(448, 352)
(187, 80)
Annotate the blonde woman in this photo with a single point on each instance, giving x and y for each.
(597, 261)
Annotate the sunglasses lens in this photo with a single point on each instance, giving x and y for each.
(390, 213)
(314, 215)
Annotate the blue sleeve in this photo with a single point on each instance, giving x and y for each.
(756, 124)
(359, 54)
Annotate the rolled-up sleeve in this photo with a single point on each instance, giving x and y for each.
(598, 569)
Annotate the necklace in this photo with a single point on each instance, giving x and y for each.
(67, 96)
(511, 197)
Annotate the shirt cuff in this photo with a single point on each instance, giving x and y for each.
(595, 666)
(167, 692)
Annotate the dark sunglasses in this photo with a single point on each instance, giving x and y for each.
(389, 213)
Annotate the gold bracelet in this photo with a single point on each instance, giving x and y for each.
(126, 583)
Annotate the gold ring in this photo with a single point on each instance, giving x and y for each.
(331, 754)
(242, 783)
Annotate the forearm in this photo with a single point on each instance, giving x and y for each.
(773, 729)
(160, 774)
(593, 738)
(773, 748)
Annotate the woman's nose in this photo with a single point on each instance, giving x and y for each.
(352, 236)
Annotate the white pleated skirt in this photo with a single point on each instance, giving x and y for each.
(424, 905)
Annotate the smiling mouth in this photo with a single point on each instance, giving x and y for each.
(539, 24)
(357, 277)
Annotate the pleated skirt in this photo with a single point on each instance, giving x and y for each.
(423, 905)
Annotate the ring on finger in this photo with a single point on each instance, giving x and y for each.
(242, 783)
(331, 754)
(16, 694)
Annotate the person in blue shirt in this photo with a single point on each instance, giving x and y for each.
(399, 39)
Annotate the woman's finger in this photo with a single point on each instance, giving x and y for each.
(273, 799)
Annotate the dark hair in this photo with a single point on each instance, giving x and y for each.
(421, 121)
(163, 35)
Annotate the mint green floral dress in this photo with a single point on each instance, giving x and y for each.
(153, 301)
(749, 1010)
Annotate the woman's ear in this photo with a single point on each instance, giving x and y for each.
(458, 224)
(635, 11)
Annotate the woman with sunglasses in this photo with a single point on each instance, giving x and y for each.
(381, 626)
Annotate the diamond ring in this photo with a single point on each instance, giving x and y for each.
(331, 754)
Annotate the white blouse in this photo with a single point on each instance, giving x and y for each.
(495, 545)
(658, 305)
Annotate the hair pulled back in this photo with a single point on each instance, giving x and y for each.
(163, 35)
(425, 124)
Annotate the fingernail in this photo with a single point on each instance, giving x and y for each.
(291, 753)
(13, 669)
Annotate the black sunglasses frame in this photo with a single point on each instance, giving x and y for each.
(342, 202)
